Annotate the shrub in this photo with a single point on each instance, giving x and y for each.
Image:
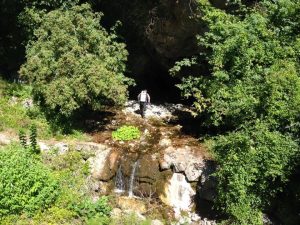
(255, 164)
(75, 63)
(130, 219)
(25, 184)
(89, 209)
(126, 133)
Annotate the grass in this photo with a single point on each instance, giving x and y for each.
(15, 117)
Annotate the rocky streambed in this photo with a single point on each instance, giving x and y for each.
(164, 164)
(165, 169)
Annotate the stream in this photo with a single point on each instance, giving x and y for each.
(166, 165)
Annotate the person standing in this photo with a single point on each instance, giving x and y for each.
(144, 99)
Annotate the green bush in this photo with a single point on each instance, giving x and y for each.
(255, 164)
(21, 91)
(126, 133)
(25, 184)
(248, 96)
(75, 63)
(89, 209)
(130, 219)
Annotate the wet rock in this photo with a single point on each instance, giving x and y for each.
(156, 222)
(194, 217)
(183, 160)
(132, 204)
(164, 111)
(165, 142)
(178, 194)
(207, 184)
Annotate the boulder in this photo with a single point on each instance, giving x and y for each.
(132, 204)
(61, 148)
(27, 103)
(99, 165)
(43, 147)
(4, 140)
(184, 160)
(156, 222)
(165, 142)
(206, 187)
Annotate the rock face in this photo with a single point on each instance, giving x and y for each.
(171, 31)
(183, 160)
(178, 194)
(133, 204)
(207, 184)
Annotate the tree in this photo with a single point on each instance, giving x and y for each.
(255, 164)
(75, 63)
(251, 96)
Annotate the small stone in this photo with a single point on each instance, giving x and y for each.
(195, 217)
(156, 222)
(27, 103)
(62, 148)
(165, 142)
(43, 147)
(116, 213)
(4, 140)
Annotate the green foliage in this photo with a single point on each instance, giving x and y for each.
(99, 220)
(49, 4)
(126, 133)
(255, 164)
(23, 139)
(89, 209)
(129, 219)
(25, 184)
(244, 55)
(15, 117)
(251, 96)
(21, 91)
(33, 146)
(33, 140)
(75, 63)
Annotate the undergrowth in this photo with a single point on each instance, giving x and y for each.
(126, 133)
(16, 115)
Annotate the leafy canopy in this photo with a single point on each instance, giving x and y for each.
(75, 63)
(251, 96)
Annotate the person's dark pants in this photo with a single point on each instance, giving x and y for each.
(143, 108)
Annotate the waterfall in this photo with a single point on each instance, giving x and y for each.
(119, 182)
(131, 181)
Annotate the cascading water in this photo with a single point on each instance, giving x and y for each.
(131, 181)
(119, 181)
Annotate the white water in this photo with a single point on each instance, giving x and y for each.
(179, 194)
(131, 181)
(119, 182)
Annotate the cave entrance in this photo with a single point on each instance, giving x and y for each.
(160, 85)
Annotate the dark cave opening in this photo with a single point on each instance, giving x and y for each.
(159, 84)
(145, 65)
